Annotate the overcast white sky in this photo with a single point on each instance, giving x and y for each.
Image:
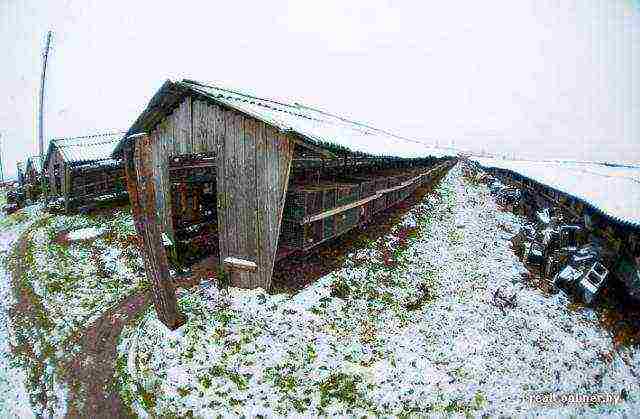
(541, 78)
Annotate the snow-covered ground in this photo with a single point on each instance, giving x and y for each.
(397, 330)
(14, 399)
(70, 270)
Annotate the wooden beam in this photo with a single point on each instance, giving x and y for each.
(232, 263)
(321, 151)
(363, 201)
(141, 187)
(340, 209)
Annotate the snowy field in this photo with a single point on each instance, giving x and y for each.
(14, 401)
(68, 271)
(398, 330)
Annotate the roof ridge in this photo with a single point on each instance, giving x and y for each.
(227, 89)
(292, 108)
(90, 136)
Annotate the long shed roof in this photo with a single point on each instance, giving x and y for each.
(615, 191)
(315, 126)
(88, 148)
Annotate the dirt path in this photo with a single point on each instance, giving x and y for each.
(89, 374)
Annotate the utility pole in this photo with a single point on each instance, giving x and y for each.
(1, 160)
(43, 76)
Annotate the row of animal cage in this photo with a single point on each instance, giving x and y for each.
(316, 213)
(571, 244)
(307, 200)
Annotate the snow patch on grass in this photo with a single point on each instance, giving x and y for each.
(15, 398)
(407, 325)
(67, 286)
(85, 233)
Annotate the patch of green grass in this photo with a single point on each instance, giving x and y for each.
(456, 236)
(14, 219)
(342, 388)
(64, 284)
(340, 288)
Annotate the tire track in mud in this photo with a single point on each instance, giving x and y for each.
(89, 374)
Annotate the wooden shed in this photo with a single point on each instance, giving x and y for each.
(32, 177)
(262, 178)
(81, 169)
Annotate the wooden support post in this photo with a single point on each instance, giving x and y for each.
(141, 187)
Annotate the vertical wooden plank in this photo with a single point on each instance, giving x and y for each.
(229, 192)
(230, 196)
(239, 198)
(185, 116)
(269, 192)
(210, 139)
(219, 135)
(195, 125)
(189, 124)
(52, 180)
(176, 126)
(250, 196)
(142, 197)
(242, 198)
(66, 184)
(206, 137)
(285, 158)
(177, 130)
(262, 232)
(165, 156)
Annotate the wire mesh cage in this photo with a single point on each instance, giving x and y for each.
(347, 193)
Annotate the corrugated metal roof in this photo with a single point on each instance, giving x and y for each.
(615, 191)
(87, 148)
(314, 125)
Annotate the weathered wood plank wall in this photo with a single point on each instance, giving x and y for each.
(253, 165)
(53, 190)
(253, 176)
(63, 173)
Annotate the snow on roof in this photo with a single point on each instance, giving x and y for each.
(86, 149)
(315, 126)
(613, 190)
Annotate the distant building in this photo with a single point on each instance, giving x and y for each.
(32, 177)
(81, 169)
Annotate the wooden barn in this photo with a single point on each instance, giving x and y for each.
(248, 180)
(33, 177)
(81, 169)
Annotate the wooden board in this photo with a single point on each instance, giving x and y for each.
(143, 197)
(253, 162)
(253, 170)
